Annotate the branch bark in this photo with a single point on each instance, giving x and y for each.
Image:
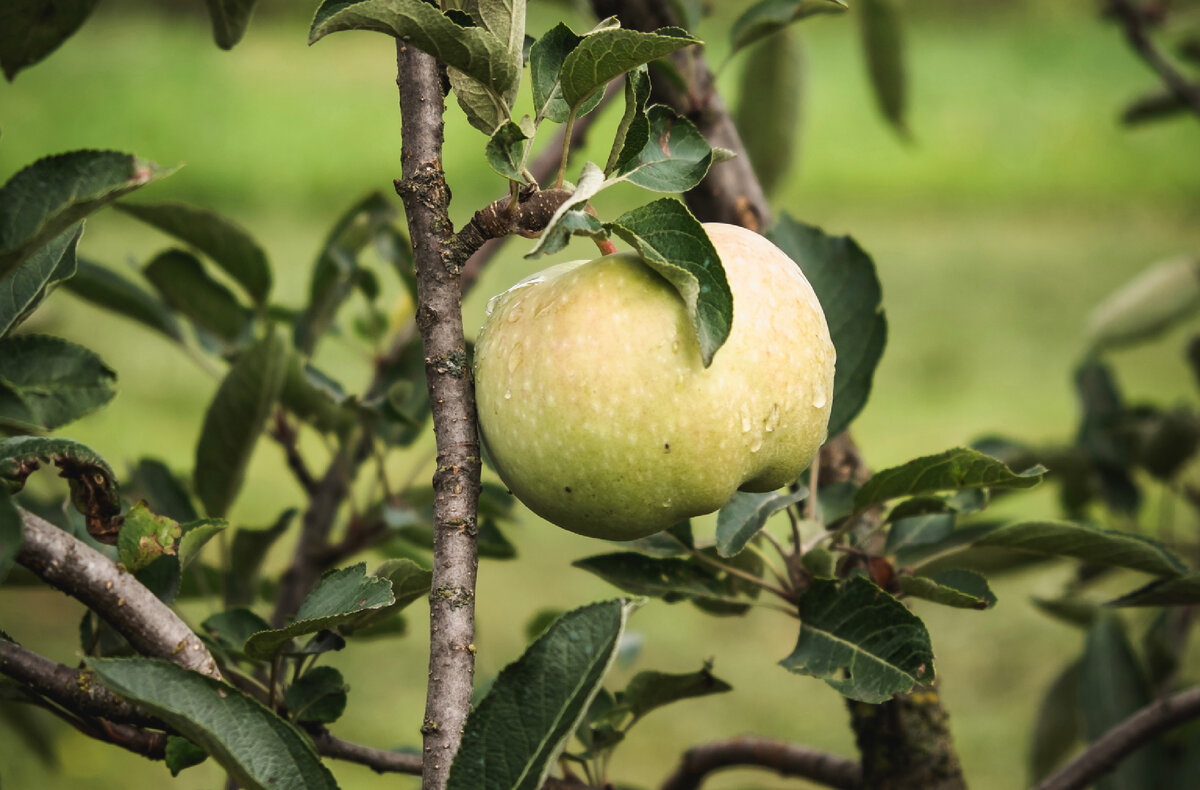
(785, 759)
(1105, 753)
(378, 760)
(74, 689)
(107, 589)
(452, 397)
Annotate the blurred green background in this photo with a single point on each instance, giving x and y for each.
(1018, 205)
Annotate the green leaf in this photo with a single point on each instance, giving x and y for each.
(23, 288)
(857, 628)
(675, 157)
(608, 53)
(230, 18)
(506, 150)
(1179, 591)
(247, 551)
(153, 481)
(32, 29)
(233, 627)
(1147, 305)
(633, 130)
(918, 531)
(12, 533)
(259, 749)
(771, 16)
(745, 514)
(180, 279)
(182, 753)
(336, 272)
(673, 243)
(315, 398)
(403, 400)
(953, 469)
(1095, 546)
(649, 690)
(145, 537)
(570, 218)
(669, 578)
(843, 277)
(883, 47)
(410, 582)
(1069, 609)
(505, 19)
(46, 382)
(1112, 687)
(318, 696)
(105, 288)
(958, 588)
(476, 52)
(340, 597)
(1058, 726)
(546, 58)
(513, 736)
(225, 243)
(195, 536)
(234, 420)
(770, 106)
(49, 196)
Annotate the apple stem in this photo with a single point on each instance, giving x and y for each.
(606, 246)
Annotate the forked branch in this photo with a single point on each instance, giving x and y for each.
(785, 759)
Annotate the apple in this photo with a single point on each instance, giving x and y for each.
(599, 415)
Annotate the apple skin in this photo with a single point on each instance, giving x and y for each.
(599, 415)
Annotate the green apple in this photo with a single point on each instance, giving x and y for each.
(599, 415)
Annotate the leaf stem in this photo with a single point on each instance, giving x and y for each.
(783, 580)
(566, 150)
(741, 574)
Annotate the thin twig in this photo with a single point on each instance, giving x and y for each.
(80, 571)
(731, 570)
(785, 759)
(1105, 753)
(378, 760)
(285, 435)
(1133, 22)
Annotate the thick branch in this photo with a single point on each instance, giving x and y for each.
(378, 760)
(1133, 22)
(1104, 754)
(452, 398)
(785, 759)
(107, 589)
(74, 689)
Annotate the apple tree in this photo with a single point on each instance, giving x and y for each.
(836, 548)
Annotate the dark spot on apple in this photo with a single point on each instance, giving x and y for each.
(567, 489)
(666, 447)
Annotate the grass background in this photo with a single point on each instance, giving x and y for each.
(1020, 204)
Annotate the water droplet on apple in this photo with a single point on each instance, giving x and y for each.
(508, 394)
(772, 418)
(514, 359)
(515, 312)
(745, 422)
(756, 444)
(666, 503)
(819, 398)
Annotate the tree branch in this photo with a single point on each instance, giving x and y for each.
(324, 503)
(104, 587)
(452, 398)
(285, 435)
(378, 760)
(74, 689)
(1105, 753)
(1133, 21)
(785, 759)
